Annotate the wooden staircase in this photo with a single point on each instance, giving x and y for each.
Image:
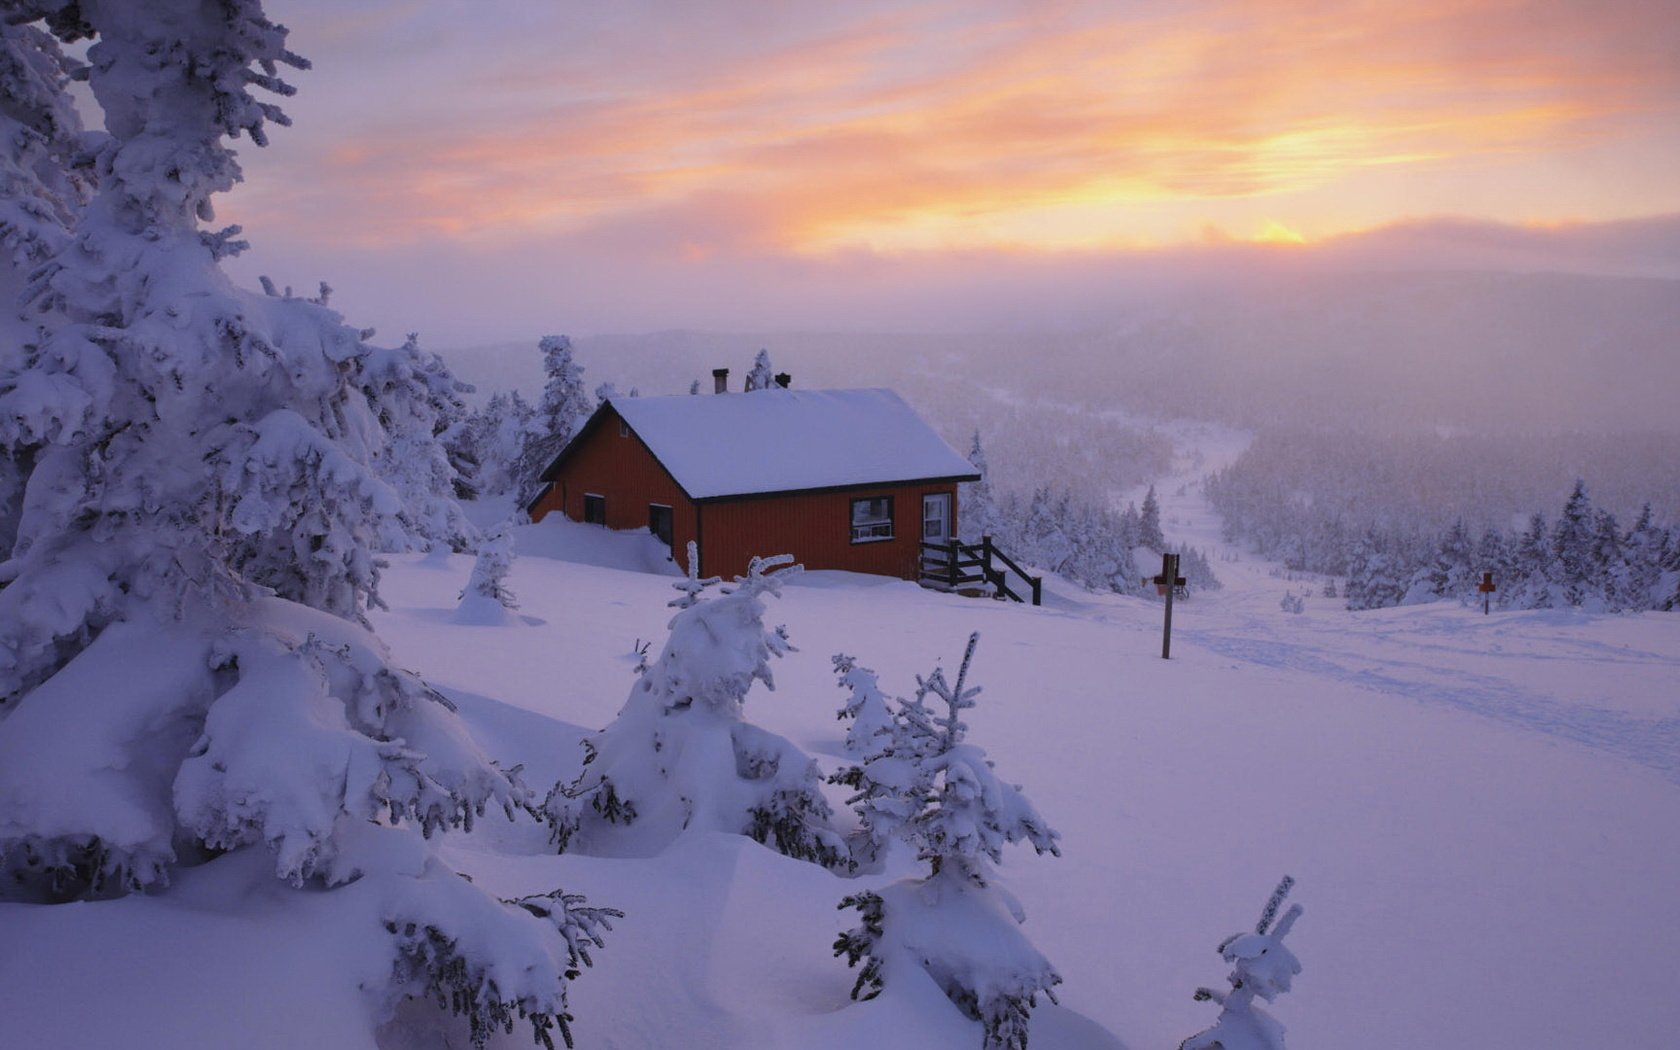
(958, 566)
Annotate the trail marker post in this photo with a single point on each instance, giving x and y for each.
(1167, 584)
(1487, 588)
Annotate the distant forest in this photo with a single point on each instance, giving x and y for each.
(1386, 408)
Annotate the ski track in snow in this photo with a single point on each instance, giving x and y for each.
(1395, 663)
(1650, 742)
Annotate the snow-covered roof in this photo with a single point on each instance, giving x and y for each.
(760, 442)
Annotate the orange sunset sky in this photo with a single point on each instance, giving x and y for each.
(675, 145)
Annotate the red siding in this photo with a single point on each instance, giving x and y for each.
(622, 469)
(815, 528)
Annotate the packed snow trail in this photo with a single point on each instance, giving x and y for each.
(1577, 688)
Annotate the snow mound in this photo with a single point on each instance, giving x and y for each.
(559, 538)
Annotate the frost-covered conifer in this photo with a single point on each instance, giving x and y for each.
(496, 434)
(562, 410)
(1531, 569)
(940, 794)
(1492, 555)
(872, 734)
(1046, 542)
(1636, 582)
(762, 375)
(692, 586)
(871, 730)
(1198, 573)
(1260, 966)
(415, 399)
(1571, 566)
(184, 668)
(1149, 523)
(1607, 563)
(1452, 575)
(486, 598)
(1130, 529)
(681, 755)
(978, 511)
(1373, 582)
(45, 183)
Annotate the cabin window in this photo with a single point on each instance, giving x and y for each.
(623, 429)
(659, 522)
(594, 509)
(872, 519)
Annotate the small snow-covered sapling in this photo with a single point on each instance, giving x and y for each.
(1261, 966)
(681, 754)
(925, 784)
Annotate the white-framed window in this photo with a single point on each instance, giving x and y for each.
(936, 517)
(872, 519)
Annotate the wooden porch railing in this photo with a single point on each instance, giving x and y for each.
(955, 565)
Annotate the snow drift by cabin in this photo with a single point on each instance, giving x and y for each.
(842, 479)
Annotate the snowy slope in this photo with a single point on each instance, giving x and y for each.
(1464, 799)
(1479, 812)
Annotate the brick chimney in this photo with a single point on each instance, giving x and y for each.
(720, 380)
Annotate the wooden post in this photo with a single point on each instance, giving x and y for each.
(1487, 589)
(951, 561)
(1168, 582)
(1038, 592)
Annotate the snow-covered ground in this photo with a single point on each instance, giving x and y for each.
(1480, 813)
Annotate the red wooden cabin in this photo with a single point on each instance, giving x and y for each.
(840, 479)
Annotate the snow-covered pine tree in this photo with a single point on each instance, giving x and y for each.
(1572, 541)
(45, 178)
(1373, 578)
(45, 182)
(1045, 542)
(940, 794)
(871, 735)
(1149, 523)
(681, 755)
(1531, 570)
(446, 395)
(1452, 575)
(184, 669)
(979, 512)
(561, 411)
(762, 375)
(1492, 555)
(1636, 582)
(486, 600)
(692, 586)
(1260, 966)
(496, 434)
(871, 718)
(1668, 581)
(1607, 564)
(1131, 526)
(415, 399)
